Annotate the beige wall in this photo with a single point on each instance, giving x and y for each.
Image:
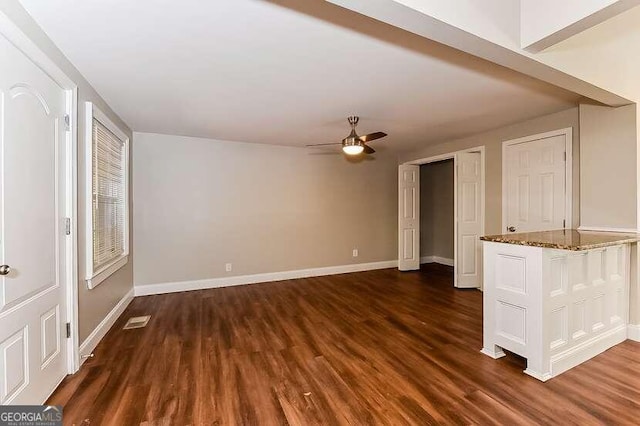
(492, 141)
(608, 166)
(94, 304)
(436, 209)
(201, 203)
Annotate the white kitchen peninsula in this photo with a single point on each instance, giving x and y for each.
(556, 298)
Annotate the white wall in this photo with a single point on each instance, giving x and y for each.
(521, 23)
(541, 19)
(494, 20)
(201, 203)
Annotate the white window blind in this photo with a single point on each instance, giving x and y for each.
(108, 196)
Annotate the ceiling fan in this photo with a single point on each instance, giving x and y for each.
(354, 144)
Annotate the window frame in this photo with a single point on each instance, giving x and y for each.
(95, 277)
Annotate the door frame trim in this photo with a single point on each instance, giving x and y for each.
(17, 37)
(453, 155)
(567, 132)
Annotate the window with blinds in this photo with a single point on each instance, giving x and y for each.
(107, 197)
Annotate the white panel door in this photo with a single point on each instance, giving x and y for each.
(409, 218)
(32, 239)
(535, 187)
(468, 259)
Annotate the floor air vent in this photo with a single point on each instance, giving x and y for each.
(137, 322)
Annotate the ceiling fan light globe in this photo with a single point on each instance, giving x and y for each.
(353, 149)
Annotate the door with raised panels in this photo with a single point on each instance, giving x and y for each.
(32, 231)
(468, 259)
(409, 217)
(535, 185)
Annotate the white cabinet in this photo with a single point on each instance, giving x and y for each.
(556, 308)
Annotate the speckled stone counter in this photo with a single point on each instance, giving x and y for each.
(556, 298)
(565, 239)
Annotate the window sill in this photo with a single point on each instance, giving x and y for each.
(106, 271)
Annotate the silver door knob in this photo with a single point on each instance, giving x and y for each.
(511, 228)
(5, 269)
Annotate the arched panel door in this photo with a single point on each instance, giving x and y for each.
(33, 348)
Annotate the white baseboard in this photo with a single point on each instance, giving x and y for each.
(633, 332)
(607, 229)
(436, 259)
(588, 349)
(173, 287)
(99, 332)
(536, 375)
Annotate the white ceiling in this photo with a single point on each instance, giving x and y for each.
(287, 73)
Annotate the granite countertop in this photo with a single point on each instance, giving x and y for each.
(565, 239)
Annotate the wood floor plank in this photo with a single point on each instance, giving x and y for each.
(371, 348)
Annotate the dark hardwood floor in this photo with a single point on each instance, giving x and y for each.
(379, 347)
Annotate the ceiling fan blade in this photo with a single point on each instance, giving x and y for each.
(368, 149)
(372, 136)
(323, 144)
(320, 152)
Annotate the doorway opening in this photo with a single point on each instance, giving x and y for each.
(467, 170)
(437, 235)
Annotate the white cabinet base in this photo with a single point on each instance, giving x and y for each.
(556, 308)
(496, 353)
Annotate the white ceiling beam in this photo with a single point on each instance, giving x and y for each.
(505, 54)
(545, 23)
(495, 20)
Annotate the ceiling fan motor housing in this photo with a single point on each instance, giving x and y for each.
(353, 138)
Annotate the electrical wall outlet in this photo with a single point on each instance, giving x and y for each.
(228, 267)
(355, 252)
